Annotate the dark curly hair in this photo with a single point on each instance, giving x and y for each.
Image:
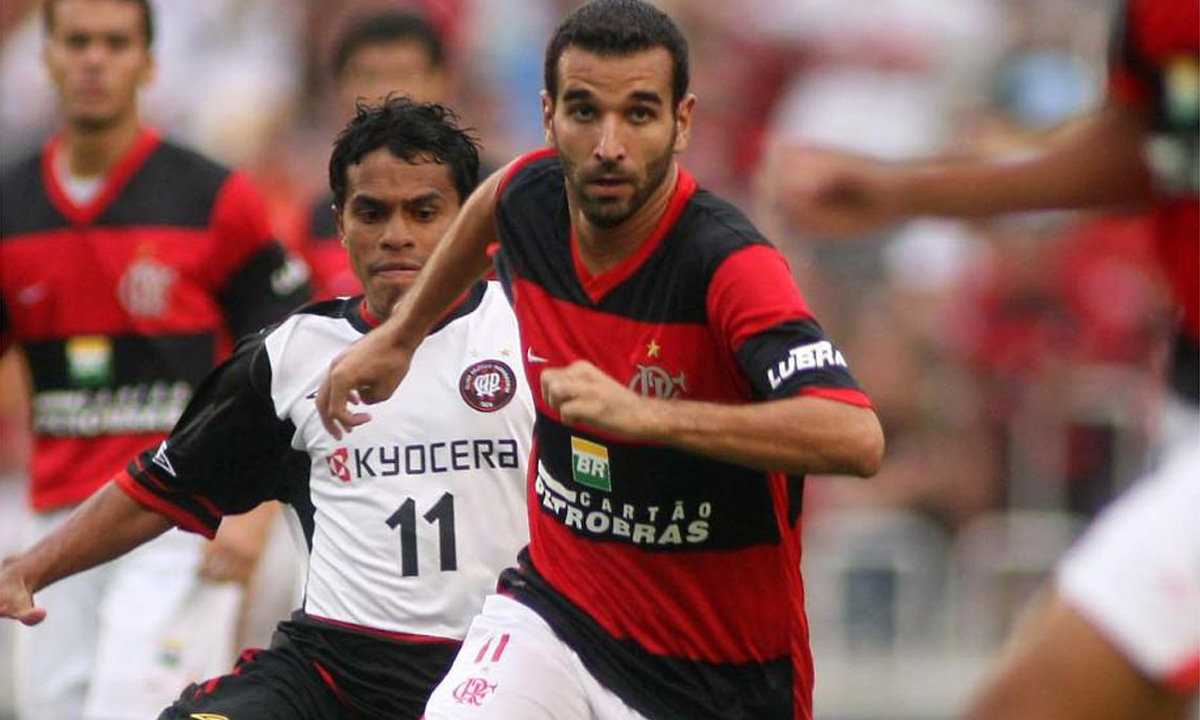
(411, 131)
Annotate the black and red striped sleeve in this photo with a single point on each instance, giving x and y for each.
(259, 282)
(224, 456)
(753, 304)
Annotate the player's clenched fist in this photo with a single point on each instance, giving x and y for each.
(584, 394)
(16, 601)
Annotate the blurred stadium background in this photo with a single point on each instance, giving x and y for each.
(1015, 364)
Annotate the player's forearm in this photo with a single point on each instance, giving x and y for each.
(1093, 162)
(106, 526)
(798, 435)
(459, 261)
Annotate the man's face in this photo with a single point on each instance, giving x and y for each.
(401, 66)
(615, 129)
(395, 214)
(97, 57)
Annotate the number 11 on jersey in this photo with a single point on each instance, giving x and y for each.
(442, 515)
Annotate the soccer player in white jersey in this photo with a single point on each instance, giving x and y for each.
(406, 524)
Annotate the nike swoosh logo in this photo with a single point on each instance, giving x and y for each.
(312, 395)
(534, 358)
(31, 294)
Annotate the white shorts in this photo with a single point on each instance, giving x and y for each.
(122, 640)
(512, 665)
(1136, 573)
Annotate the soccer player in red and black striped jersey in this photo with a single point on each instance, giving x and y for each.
(1117, 636)
(682, 388)
(129, 266)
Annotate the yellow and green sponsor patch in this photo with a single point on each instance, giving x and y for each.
(589, 464)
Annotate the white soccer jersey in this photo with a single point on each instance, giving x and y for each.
(1136, 574)
(408, 519)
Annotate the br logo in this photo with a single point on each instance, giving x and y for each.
(488, 385)
(337, 464)
(473, 691)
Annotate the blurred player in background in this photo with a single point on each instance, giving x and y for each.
(408, 524)
(682, 389)
(1119, 635)
(129, 264)
(392, 52)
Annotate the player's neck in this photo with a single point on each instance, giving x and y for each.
(601, 248)
(88, 151)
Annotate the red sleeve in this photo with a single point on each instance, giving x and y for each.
(240, 227)
(751, 291)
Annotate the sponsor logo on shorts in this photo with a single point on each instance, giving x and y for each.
(473, 691)
(589, 464)
(488, 385)
(813, 356)
(208, 716)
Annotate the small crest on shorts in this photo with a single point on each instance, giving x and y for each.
(473, 691)
(488, 385)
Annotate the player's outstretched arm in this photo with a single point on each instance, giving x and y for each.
(106, 526)
(1093, 161)
(370, 370)
(796, 435)
(1061, 667)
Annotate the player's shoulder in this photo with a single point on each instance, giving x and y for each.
(176, 169)
(532, 175)
(712, 229)
(24, 204)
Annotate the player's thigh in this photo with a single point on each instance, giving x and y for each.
(274, 684)
(161, 627)
(54, 661)
(511, 665)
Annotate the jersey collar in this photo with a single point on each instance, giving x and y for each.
(116, 178)
(598, 285)
(364, 321)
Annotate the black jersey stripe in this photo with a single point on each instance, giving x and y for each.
(110, 362)
(25, 207)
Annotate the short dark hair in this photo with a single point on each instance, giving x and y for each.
(619, 27)
(143, 5)
(411, 131)
(388, 27)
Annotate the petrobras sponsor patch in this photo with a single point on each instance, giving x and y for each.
(137, 408)
(680, 523)
(812, 356)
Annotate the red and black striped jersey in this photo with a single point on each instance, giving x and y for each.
(124, 304)
(1155, 65)
(676, 577)
(317, 241)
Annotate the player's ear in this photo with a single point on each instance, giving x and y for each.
(683, 122)
(338, 220)
(548, 117)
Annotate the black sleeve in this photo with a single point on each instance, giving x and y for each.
(226, 455)
(269, 285)
(795, 358)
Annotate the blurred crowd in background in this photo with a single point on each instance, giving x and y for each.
(1015, 363)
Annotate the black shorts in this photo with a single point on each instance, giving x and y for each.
(275, 684)
(318, 671)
